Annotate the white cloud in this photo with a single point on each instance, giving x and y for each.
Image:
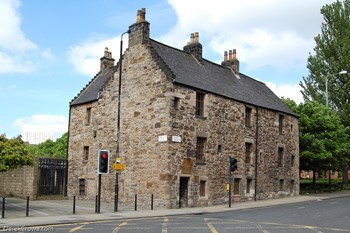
(14, 45)
(43, 123)
(11, 36)
(86, 56)
(291, 91)
(272, 33)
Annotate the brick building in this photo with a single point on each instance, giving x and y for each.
(181, 118)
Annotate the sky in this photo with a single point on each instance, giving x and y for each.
(50, 50)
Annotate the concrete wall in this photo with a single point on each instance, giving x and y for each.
(20, 182)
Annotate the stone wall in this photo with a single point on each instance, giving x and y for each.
(20, 182)
(154, 166)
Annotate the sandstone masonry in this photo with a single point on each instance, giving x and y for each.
(181, 118)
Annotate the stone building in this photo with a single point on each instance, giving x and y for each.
(181, 118)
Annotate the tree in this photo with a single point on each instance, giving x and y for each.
(13, 153)
(50, 149)
(332, 55)
(323, 139)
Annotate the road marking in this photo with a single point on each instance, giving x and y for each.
(115, 230)
(79, 228)
(333, 203)
(212, 228)
(165, 225)
(301, 207)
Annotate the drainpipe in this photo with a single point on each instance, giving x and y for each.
(256, 152)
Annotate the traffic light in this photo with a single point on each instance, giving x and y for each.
(233, 164)
(103, 162)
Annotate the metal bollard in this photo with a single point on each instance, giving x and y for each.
(3, 208)
(152, 202)
(73, 204)
(135, 202)
(27, 209)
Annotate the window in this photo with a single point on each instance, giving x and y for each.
(219, 149)
(202, 188)
(86, 152)
(248, 117)
(292, 161)
(200, 148)
(281, 184)
(248, 151)
(176, 103)
(280, 123)
(81, 187)
(200, 104)
(88, 116)
(249, 182)
(280, 156)
(236, 186)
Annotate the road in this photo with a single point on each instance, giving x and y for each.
(327, 216)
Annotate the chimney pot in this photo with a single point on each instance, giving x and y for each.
(196, 37)
(192, 38)
(232, 61)
(139, 16)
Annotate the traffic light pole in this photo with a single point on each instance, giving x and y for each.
(116, 192)
(99, 194)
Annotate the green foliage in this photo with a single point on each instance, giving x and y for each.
(50, 149)
(332, 55)
(323, 139)
(13, 153)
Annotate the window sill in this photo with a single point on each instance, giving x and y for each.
(201, 163)
(201, 117)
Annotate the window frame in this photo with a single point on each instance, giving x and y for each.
(86, 153)
(82, 187)
(88, 115)
(248, 116)
(248, 151)
(202, 188)
(280, 123)
(200, 104)
(200, 149)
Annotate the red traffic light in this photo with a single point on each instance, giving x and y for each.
(104, 156)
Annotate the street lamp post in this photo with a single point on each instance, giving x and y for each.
(339, 73)
(116, 191)
(327, 103)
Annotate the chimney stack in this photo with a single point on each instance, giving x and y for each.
(107, 60)
(194, 47)
(232, 61)
(139, 31)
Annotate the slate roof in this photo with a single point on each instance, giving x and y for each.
(91, 91)
(214, 78)
(204, 75)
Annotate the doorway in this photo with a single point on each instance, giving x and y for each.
(183, 192)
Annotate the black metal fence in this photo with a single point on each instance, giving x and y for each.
(52, 176)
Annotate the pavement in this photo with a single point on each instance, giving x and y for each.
(48, 212)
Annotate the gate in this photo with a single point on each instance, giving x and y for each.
(52, 176)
